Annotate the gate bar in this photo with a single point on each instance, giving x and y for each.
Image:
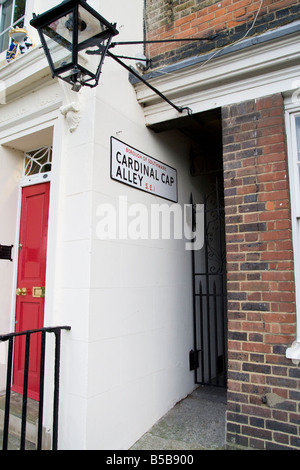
(207, 290)
(195, 352)
(41, 395)
(7, 398)
(216, 329)
(25, 392)
(201, 330)
(56, 390)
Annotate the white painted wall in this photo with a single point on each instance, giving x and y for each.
(141, 311)
(129, 302)
(141, 305)
(10, 172)
(125, 361)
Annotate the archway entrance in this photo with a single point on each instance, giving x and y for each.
(208, 358)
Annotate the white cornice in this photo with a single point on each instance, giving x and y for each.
(262, 68)
(25, 73)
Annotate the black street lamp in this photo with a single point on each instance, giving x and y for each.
(72, 31)
(66, 32)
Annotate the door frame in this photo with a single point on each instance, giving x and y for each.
(41, 128)
(24, 182)
(34, 183)
(50, 122)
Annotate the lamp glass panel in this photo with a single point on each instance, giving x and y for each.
(59, 39)
(91, 61)
(89, 26)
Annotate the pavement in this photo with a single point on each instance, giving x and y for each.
(195, 423)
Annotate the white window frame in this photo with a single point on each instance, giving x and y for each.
(12, 24)
(292, 112)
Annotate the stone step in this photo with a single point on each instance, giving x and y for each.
(15, 421)
(14, 442)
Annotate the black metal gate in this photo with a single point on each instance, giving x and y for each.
(209, 357)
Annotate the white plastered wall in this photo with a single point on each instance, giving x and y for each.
(12, 152)
(128, 301)
(27, 123)
(125, 361)
(10, 173)
(141, 304)
(140, 307)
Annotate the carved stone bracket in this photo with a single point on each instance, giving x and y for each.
(72, 114)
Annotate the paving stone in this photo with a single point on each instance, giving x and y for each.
(195, 423)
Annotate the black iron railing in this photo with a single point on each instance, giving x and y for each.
(208, 359)
(10, 338)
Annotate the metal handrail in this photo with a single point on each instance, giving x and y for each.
(10, 338)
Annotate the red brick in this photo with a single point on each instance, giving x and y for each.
(270, 290)
(185, 19)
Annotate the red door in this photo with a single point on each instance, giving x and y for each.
(31, 283)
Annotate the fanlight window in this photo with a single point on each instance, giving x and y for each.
(38, 161)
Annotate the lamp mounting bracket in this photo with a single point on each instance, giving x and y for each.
(161, 41)
(142, 79)
(137, 75)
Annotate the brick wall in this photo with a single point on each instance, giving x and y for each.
(263, 386)
(228, 19)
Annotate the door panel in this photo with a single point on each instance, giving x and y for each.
(31, 273)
